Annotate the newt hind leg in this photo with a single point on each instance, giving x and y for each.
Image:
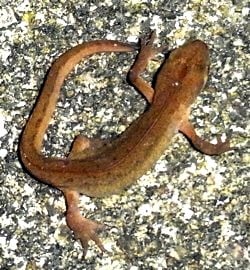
(84, 229)
(83, 147)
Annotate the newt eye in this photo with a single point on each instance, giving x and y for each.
(201, 67)
(183, 72)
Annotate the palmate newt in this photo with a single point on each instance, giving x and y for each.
(99, 168)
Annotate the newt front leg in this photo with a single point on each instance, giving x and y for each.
(202, 145)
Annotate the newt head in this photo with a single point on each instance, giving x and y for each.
(188, 66)
(192, 58)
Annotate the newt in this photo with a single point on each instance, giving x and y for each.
(100, 168)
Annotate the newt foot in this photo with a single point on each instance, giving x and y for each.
(85, 230)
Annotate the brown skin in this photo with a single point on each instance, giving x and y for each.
(97, 168)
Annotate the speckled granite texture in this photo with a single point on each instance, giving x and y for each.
(190, 211)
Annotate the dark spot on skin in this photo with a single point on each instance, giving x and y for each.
(97, 166)
(44, 108)
(38, 123)
(108, 173)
